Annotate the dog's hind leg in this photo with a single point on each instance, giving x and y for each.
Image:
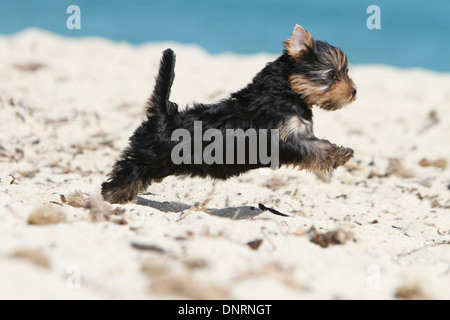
(123, 184)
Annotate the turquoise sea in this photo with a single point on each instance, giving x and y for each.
(414, 33)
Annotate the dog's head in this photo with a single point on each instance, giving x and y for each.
(320, 72)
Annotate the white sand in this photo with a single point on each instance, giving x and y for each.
(64, 124)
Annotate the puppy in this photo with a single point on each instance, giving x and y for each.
(279, 100)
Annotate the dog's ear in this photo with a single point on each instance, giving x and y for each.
(299, 41)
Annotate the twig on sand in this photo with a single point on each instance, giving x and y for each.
(264, 208)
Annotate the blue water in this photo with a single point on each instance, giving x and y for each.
(414, 33)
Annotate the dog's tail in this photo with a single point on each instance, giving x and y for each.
(159, 101)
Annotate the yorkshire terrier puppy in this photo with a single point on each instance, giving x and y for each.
(279, 99)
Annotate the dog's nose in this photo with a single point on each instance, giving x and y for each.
(353, 92)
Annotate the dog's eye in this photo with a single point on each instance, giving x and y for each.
(332, 74)
(346, 70)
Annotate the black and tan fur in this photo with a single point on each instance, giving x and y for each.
(281, 96)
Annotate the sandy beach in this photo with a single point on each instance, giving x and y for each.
(378, 228)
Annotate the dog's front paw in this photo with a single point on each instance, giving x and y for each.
(341, 156)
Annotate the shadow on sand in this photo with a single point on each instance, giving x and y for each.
(235, 213)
